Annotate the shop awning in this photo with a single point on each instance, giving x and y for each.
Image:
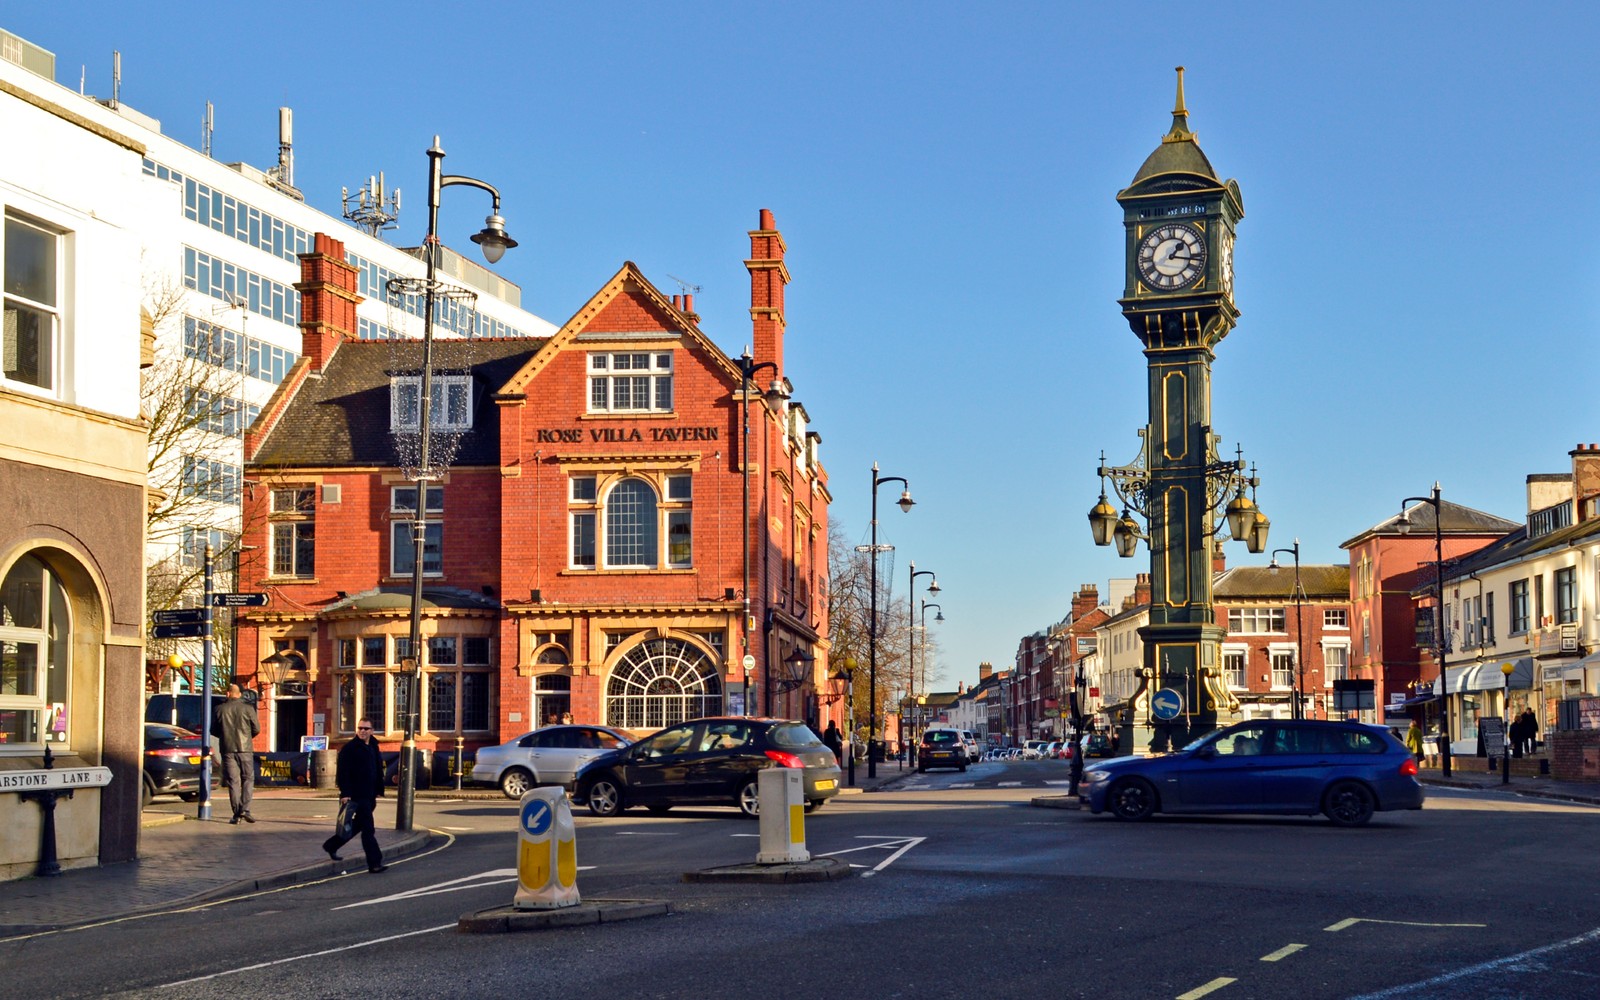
(1487, 676)
(1572, 671)
(1419, 699)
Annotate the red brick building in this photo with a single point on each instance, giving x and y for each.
(585, 549)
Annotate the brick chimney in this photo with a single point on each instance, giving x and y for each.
(1087, 599)
(328, 301)
(1585, 477)
(768, 276)
(1219, 558)
(1141, 589)
(985, 671)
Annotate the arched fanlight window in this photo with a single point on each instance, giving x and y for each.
(662, 682)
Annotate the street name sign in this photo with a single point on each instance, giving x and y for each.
(54, 778)
(258, 599)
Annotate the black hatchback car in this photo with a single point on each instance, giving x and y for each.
(941, 748)
(172, 759)
(706, 762)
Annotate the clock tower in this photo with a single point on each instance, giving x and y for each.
(1180, 219)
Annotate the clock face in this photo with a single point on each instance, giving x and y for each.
(1172, 256)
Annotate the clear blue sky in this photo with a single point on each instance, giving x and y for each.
(1419, 300)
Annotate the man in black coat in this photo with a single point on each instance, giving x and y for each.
(359, 775)
(236, 731)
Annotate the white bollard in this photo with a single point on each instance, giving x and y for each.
(547, 852)
(782, 794)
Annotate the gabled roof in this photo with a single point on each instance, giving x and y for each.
(629, 281)
(342, 416)
(1517, 546)
(1454, 520)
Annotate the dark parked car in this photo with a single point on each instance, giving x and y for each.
(706, 761)
(1345, 770)
(172, 758)
(942, 748)
(1096, 745)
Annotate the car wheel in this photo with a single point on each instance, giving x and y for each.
(659, 808)
(1132, 799)
(749, 800)
(516, 783)
(189, 796)
(605, 797)
(146, 793)
(1349, 803)
(812, 805)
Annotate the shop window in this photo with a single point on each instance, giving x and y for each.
(35, 656)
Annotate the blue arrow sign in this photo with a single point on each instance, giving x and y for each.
(1166, 704)
(536, 817)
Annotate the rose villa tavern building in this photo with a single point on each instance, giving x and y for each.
(585, 549)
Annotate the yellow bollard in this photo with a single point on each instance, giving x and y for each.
(547, 852)
(781, 792)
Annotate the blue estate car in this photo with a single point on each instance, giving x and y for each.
(1345, 770)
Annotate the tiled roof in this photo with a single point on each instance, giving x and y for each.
(1456, 520)
(342, 417)
(1318, 582)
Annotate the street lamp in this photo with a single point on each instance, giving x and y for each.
(911, 633)
(494, 241)
(1506, 670)
(872, 619)
(847, 674)
(922, 700)
(1403, 525)
(1299, 648)
(747, 371)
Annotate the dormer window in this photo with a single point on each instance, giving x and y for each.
(451, 404)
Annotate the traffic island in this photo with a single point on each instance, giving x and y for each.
(508, 919)
(815, 870)
(1056, 802)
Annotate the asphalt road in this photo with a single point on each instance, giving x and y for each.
(962, 889)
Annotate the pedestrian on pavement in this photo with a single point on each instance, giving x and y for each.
(237, 727)
(833, 741)
(359, 774)
(1530, 731)
(1414, 740)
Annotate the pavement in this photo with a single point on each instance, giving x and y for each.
(183, 861)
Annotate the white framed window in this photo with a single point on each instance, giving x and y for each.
(293, 528)
(1335, 618)
(631, 526)
(35, 656)
(32, 282)
(630, 382)
(1256, 621)
(402, 532)
(450, 408)
(1335, 664)
(1282, 667)
(1235, 663)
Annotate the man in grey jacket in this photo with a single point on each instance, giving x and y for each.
(236, 734)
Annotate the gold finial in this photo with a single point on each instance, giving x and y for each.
(1180, 118)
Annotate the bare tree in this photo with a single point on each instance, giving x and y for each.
(849, 611)
(191, 397)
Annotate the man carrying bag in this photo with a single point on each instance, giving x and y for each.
(359, 775)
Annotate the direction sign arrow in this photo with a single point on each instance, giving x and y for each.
(187, 631)
(257, 599)
(179, 616)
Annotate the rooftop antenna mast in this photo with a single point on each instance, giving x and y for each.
(282, 175)
(208, 125)
(372, 208)
(684, 286)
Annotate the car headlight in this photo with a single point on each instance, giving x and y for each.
(1093, 776)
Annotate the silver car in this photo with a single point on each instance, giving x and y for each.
(548, 756)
